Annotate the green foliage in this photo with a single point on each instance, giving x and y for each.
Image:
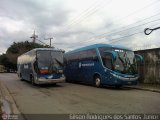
(5, 61)
(18, 48)
(22, 47)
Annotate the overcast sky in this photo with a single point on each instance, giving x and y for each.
(76, 23)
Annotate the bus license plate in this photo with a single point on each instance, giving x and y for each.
(129, 82)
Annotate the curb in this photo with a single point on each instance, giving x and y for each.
(145, 89)
(9, 106)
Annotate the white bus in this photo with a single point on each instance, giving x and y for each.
(41, 66)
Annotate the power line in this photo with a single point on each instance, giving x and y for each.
(140, 9)
(111, 32)
(128, 35)
(80, 20)
(134, 27)
(138, 33)
(128, 25)
(50, 39)
(120, 31)
(42, 42)
(119, 39)
(134, 11)
(83, 13)
(84, 17)
(129, 15)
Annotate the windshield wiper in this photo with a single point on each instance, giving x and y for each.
(121, 60)
(133, 68)
(61, 64)
(131, 65)
(52, 68)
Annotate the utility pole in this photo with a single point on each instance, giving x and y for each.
(50, 40)
(34, 36)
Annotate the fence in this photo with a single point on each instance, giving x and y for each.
(149, 69)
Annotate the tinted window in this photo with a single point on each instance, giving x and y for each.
(107, 61)
(103, 49)
(82, 55)
(44, 59)
(88, 54)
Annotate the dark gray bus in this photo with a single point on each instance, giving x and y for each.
(41, 66)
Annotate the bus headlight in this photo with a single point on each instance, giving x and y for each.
(60, 71)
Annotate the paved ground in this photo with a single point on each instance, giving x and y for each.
(0, 112)
(78, 98)
(147, 87)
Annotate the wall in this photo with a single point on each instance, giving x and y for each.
(149, 69)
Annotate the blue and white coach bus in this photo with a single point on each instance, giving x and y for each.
(41, 66)
(102, 64)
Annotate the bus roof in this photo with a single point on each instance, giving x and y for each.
(36, 49)
(96, 46)
(47, 49)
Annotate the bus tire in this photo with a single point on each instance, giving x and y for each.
(68, 81)
(118, 86)
(32, 80)
(20, 76)
(97, 81)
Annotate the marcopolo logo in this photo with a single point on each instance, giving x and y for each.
(85, 64)
(80, 65)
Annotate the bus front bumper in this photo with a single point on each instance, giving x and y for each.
(123, 80)
(49, 81)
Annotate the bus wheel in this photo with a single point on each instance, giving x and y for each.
(32, 80)
(67, 80)
(97, 81)
(118, 86)
(21, 77)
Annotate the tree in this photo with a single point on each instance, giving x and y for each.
(18, 48)
(4, 61)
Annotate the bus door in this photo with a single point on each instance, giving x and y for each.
(26, 71)
(108, 60)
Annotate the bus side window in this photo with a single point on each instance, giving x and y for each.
(108, 61)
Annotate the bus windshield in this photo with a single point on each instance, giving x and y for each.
(125, 62)
(49, 61)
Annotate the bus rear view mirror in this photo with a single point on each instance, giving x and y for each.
(138, 58)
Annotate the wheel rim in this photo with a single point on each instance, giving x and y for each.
(32, 80)
(20, 77)
(98, 82)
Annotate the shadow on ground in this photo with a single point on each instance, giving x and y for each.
(43, 85)
(103, 87)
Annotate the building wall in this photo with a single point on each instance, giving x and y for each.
(149, 69)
